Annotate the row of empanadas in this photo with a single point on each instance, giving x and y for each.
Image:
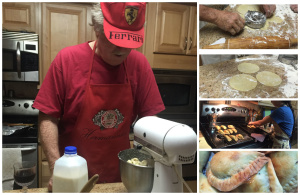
(227, 132)
(247, 171)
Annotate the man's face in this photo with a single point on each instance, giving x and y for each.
(109, 52)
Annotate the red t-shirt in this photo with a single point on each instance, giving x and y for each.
(63, 88)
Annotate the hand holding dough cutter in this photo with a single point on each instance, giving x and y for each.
(255, 19)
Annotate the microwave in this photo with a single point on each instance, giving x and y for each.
(178, 90)
(20, 56)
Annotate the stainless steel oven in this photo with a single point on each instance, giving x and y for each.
(19, 138)
(20, 56)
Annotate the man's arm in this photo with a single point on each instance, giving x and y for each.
(265, 120)
(48, 129)
(228, 21)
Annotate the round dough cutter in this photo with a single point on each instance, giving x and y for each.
(255, 19)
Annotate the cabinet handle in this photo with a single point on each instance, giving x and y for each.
(191, 43)
(185, 43)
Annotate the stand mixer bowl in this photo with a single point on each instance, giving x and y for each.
(134, 177)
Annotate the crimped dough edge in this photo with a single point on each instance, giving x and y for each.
(237, 179)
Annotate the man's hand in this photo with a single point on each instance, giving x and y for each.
(294, 8)
(268, 10)
(231, 22)
(50, 184)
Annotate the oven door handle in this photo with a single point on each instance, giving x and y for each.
(26, 149)
(18, 53)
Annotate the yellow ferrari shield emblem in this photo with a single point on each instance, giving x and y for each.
(131, 14)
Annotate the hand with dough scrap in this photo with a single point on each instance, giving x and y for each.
(268, 10)
(231, 22)
(294, 8)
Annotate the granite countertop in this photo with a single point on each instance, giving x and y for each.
(210, 33)
(98, 188)
(214, 79)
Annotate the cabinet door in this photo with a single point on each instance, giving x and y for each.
(63, 25)
(20, 16)
(171, 28)
(192, 36)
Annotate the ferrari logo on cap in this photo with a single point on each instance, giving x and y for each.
(131, 14)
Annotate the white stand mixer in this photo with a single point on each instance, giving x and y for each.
(171, 144)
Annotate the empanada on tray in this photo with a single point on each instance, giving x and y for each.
(229, 169)
(286, 168)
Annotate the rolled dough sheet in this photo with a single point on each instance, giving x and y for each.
(243, 82)
(248, 68)
(243, 9)
(268, 78)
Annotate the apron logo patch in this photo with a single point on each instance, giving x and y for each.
(131, 14)
(107, 119)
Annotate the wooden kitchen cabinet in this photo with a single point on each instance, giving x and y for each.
(21, 16)
(44, 171)
(63, 25)
(176, 29)
(171, 36)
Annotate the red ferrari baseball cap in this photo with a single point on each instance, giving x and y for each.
(124, 23)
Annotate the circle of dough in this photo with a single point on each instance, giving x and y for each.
(268, 78)
(248, 68)
(243, 82)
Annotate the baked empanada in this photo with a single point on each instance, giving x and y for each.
(203, 158)
(226, 132)
(204, 186)
(286, 167)
(263, 182)
(231, 126)
(230, 131)
(221, 132)
(229, 169)
(223, 127)
(234, 137)
(234, 130)
(240, 136)
(217, 127)
(228, 138)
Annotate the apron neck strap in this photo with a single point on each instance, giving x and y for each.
(91, 66)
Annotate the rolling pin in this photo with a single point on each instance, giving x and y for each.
(269, 42)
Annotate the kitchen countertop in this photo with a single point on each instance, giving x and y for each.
(98, 188)
(214, 79)
(210, 33)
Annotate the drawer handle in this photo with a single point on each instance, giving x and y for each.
(185, 43)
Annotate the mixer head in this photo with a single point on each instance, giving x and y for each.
(167, 141)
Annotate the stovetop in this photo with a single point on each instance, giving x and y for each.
(19, 121)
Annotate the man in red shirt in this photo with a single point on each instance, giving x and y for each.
(94, 91)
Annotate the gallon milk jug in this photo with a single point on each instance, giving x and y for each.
(70, 172)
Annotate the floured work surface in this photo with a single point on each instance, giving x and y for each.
(214, 79)
(283, 23)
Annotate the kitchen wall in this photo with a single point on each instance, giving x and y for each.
(21, 90)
